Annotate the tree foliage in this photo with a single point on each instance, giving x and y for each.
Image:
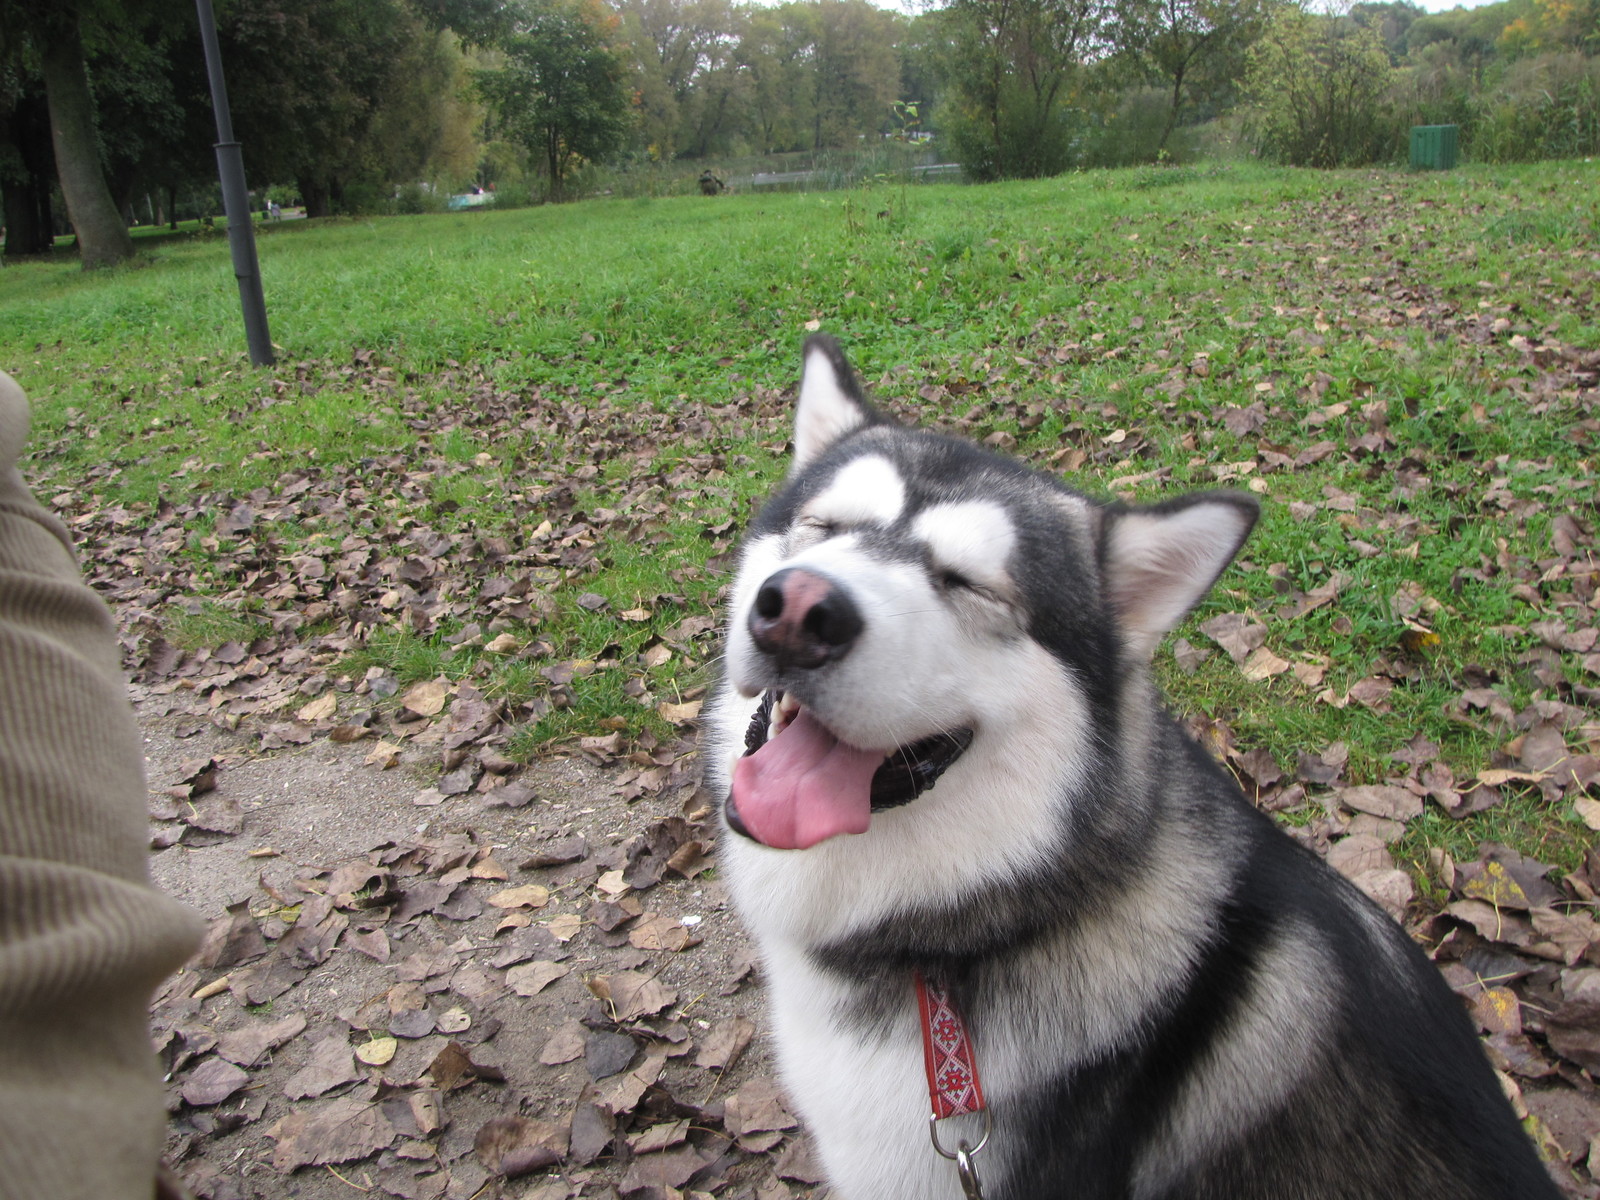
(342, 97)
(349, 102)
(559, 92)
(1320, 83)
(1192, 47)
(1011, 65)
(45, 41)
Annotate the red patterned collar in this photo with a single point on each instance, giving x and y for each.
(953, 1084)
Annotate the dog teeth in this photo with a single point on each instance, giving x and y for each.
(783, 712)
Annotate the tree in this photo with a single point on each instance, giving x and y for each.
(776, 52)
(856, 70)
(1319, 83)
(1555, 25)
(27, 169)
(343, 97)
(675, 46)
(560, 93)
(153, 109)
(1392, 19)
(1182, 41)
(1011, 65)
(1474, 31)
(50, 33)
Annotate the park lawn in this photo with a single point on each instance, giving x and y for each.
(540, 430)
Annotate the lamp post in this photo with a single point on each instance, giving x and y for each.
(236, 200)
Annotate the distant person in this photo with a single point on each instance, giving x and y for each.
(84, 936)
(275, 212)
(710, 185)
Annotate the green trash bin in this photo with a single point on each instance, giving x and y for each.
(1433, 147)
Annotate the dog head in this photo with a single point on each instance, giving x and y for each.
(906, 599)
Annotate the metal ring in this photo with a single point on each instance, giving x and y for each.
(961, 1146)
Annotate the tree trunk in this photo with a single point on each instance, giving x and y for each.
(314, 196)
(1172, 113)
(27, 193)
(552, 147)
(103, 239)
(27, 219)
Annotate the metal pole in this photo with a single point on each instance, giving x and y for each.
(236, 200)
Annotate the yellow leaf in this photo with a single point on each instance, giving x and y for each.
(385, 754)
(679, 714)
(529, 895)
(427, 698)
(1415, 640)
(564, 926)
(1496, 886)
(378, 1051)
(323, 707)
(1589, 810)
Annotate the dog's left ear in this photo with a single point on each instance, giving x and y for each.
(831, 403)
(1159, 561)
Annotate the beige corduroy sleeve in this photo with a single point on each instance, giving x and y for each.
(84, 936)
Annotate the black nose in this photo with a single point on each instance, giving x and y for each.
(802, 619)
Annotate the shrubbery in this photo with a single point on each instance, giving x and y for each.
(1320, 87)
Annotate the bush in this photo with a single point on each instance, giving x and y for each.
(1320, 83)
(1542, 107)
(363, 199)
(1436, 88)
(1030, 141)
(414, 198)
(1130, 133)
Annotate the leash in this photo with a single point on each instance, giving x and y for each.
(953, 1086)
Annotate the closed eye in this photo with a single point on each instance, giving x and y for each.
(955, 581)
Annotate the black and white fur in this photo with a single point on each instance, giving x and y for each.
(1168, 996)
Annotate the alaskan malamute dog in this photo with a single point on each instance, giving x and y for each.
(944, 759)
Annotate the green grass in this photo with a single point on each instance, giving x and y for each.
(616, 367)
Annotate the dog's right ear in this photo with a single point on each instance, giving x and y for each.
(831, 403)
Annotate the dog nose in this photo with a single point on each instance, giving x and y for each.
(802, 619)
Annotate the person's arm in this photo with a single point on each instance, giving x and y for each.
(84, 936)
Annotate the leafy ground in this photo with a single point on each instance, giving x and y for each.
(477, 521)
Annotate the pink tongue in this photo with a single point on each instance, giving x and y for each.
(804, 786)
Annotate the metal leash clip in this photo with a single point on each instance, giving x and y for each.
(966, 1169)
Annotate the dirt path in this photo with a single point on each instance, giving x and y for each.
(355, 908)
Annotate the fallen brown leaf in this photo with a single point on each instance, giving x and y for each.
(212, 1082)
(341, 1130)
(514, 1146)
(631, 994)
